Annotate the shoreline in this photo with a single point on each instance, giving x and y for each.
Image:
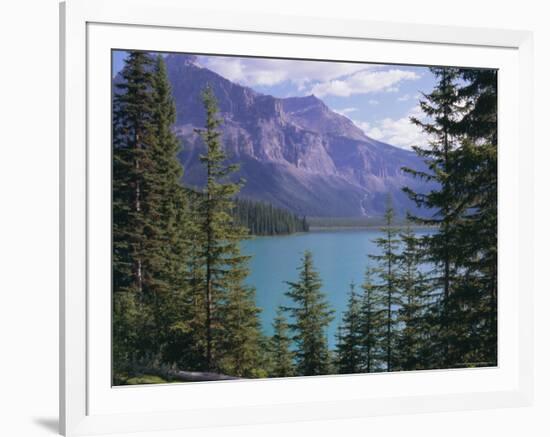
(321, 229)
(365, 227)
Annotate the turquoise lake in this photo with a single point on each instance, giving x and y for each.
(340, 257)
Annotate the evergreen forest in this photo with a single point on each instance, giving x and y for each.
(182, 308)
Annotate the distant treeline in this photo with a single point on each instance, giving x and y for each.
(262, 218)
(352, 222)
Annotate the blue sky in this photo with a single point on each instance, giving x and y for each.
(377, 98)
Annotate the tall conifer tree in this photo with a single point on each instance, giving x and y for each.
(372, 321)
(309, 319)
(478, 189)
(225, 268)
(388, 283)
(444, 108)
(349, 347)
(148, 202)
(133, 137)
(282, 355)
(167, 206)
(415, 298)
(239, 347)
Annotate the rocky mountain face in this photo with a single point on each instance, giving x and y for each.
(294, 152)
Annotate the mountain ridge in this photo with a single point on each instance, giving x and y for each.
(294, 152)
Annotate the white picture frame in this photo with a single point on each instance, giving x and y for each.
(88, 403)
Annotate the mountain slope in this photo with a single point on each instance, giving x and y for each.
(295, 152)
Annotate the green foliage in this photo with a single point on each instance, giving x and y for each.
(412, 340)
(145, 379)
(475, 299)
(462, 161)
(388, 282)
(372, 321)
(133, 198)
(148, 208)
(350, 341)
(240, 342)
(282, 360)
(444, 107)
(180, 298)
(262, 218)
(310, 317)
(177, 269)
(231, 322)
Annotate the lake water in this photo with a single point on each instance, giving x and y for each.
(339, 256)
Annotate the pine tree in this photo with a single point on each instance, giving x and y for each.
(239, 352)
(444, 108)
(224, 267)
(349, 347)
(187, 342)
(387, 273)
(462, 160)
(478, 188)
(149, 206)
(372, 321)
(480, 91)
(167, 245)
(133, 137)
(282, 355)
(310, 317)
(415, 332)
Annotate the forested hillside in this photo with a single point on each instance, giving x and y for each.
(262, 218)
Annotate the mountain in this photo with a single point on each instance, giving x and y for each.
(295, 153)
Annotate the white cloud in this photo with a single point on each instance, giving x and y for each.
(310, 77)
(364, 82)
(331, 78)
(237, 70)
(365, 126)
(269, 72)
(398, 132)
(376, 133)
(345, 111)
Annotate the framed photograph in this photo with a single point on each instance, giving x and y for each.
(270, 218)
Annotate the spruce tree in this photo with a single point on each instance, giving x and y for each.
(280, 347)
(310, 317)
(444, 108)
(462, 160)
(415, 299)
(187, 342)
(239, 352)
(372, 321)
(133, 137)
(224, 268)
(388, 283)
(149, 205)
(477, 230)
(349, 347)
(167, 245)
